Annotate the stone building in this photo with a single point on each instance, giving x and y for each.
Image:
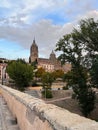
(50, 64)
(3, 73)
(33, 52)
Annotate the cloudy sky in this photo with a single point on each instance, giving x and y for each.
(46, 20)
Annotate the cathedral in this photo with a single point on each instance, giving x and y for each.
(50, 64)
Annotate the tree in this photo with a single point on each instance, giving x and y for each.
(78, 49)
(21, 73)
(34, 64)
(88, 35)
(58, 74)
(94, 72)
(39, 72)
(21, 60)
(47, 80)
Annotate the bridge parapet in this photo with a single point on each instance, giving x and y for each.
(34, 114)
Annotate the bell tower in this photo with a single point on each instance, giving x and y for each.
(52, 57)
(33, 52)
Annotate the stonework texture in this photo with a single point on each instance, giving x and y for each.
(35, 114)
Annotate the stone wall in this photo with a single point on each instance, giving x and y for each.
(34, 114)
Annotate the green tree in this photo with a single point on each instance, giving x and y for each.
(78, 49)
(47, 80)
(58, 74)
(21, 73)
(34, 64)
(39, 72)
(21, 60)
(94, 72)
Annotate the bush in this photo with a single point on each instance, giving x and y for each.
(73, 96)
(65, 88)
(21, 73)
(34, 83)
(47, 93)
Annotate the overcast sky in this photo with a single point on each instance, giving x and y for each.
(46, 20)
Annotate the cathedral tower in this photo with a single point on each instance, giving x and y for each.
(52, 57)
(33, 52)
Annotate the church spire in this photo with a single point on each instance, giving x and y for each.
(52, 56)
(34, 43)
(33, 51)
(34, 40)
(52, 52)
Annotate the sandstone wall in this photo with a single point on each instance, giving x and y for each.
(35, 114)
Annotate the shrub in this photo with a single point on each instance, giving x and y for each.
(65, 87)
(47, 93)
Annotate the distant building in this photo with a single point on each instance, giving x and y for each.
(3, 74)
(50, 64)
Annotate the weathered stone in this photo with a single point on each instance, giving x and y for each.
(33, 113)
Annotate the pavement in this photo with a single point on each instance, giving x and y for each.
(7, 121)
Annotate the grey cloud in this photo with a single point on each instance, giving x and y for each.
(79, 7)
(90, 14)
(45, 33)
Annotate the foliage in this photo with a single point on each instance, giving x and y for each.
(47, 80)
(39, 72)
(21, 60)
(34, 83)
(94, 72)
(65, 88)
(34, 64)
(47, 93)
(1, 61)
(78, 48)
(58, 74)
(20, 72)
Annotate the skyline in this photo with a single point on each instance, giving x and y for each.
(47, 21)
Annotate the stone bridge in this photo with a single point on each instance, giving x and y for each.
(34, 114)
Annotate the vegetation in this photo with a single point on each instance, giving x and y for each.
(94, 72)
(58, 74)
(20, 72)
(65, 88)
(79, 48)
(34, 64)
(39, 72)
(47, 93)
(47, 80)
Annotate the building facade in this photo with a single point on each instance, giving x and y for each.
(3, 74)
(50, 64)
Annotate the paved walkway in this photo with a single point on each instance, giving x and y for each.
(7, 121)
